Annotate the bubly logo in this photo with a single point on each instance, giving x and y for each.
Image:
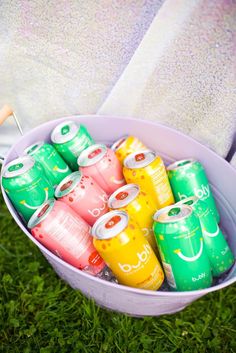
(142, 258)
(201, 276)
(122, 195)
(139, 157)
(96, 212)
(94, 153)
(112, 222)
(202, 193)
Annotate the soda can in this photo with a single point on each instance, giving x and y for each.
(26, 185)
(218, 250)
(101, 163)
(67, 235)
(139, 206)
(83, 195)
(53, 164)
(127, 145)
(180, 242)
(147, 170)
(188, 178)
(70, 139)
(126, 251)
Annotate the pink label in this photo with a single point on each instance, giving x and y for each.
(68, 236)
(107, 172)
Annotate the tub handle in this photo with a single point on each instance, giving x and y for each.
(7, 111)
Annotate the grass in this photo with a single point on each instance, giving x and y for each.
(41, 313)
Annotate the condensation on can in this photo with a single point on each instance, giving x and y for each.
(180, 242)
(126, 251)
(148, 171)
(101, 163)
(67, 235)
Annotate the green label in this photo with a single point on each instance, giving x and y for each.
(65, 130)
(15, 167)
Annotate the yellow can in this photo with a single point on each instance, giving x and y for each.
(139, 206)
(148, 171)
(127, 145)
(126, 251)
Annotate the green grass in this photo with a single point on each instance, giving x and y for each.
(40, 313)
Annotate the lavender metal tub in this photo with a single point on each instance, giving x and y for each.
(171, 145)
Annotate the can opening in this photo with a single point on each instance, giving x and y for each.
(119, 143)
(33, 148)
(139, 157)
(43, 211)
(112, 222)
(181, 164)
(174, 211)
(121, 195)
(189, 202)
(66, 185)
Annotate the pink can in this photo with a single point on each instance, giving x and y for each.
(101, 163)
(67, 235)
(83, 195)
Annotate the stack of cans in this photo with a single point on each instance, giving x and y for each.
(118, 213)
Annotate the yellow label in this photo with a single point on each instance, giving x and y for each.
(154, 181)
(131, 258)
(130, 145)
(142, 209)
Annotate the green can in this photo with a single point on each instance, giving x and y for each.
(179, 238)
(188, 178)
(26, 185)
(53, 164)
(70, 140)
(218, 250)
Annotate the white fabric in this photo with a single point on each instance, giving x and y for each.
(63, 57)
(183, 73)
(171, 61)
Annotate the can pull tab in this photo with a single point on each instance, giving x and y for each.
(7, 111)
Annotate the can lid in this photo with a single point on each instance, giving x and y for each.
(64, 132)
(18, 167)
(91, 155)
(139, 159)
(123, 196)
(68, 184)
(181, 164)
(32, 149)
(41, 213)
(110, 225)
(172, 213)
(190, 201)
(118, 144)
